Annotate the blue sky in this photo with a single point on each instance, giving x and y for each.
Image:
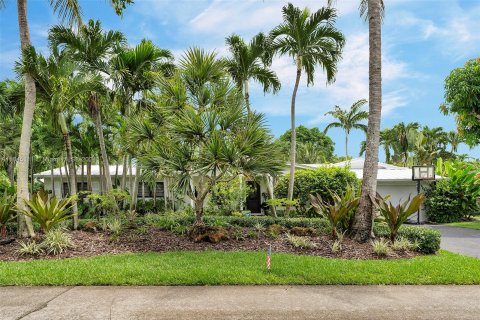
(422, 42)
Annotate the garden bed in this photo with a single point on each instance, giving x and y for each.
(151, 239)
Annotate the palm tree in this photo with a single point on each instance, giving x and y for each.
(135, 71)
(454, 140)
(349, 119)
(90, 47)
(251, 61)
(372, 10)
(69, 11)
(209, 137)
(311, 40)
(60, 85)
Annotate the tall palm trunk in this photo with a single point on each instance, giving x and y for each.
(363, 222)
(247, 95)
(52, 180)
(123, 183)
(25, 226)
(89, 174)
(133, 204)
(346, 145)
(11, 171)
(101, 140)
(293, 142)
(71, 167)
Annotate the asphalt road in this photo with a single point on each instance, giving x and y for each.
(460, 240)
(241, 302)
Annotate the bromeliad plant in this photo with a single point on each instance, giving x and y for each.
(6, 213)
(395, 216)
(48, 213)
(337, 211)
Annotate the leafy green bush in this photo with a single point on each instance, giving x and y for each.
(324, 181)
(456, 196)
(228, 197)
(148, 206)
(428, 240)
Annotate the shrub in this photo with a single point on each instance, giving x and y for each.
(114, 225)
(237, 233)
(300, 242)
(274, 230)
(456, 196)
(380, 247)
(395, 216)
(428, 240)
(252, 234)
(57, 241)
(443, 203)
(30, 248)
(149, 206)
(403, 244)
(301, 231)
(228, 198)
(324, 181)
(47, 213)
(6, 212)
(336, 246)
(339, 210)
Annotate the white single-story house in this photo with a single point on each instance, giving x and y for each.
(57, 182)
(391, 180)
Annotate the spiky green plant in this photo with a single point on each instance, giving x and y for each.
(6, 212)
(338, 210)
(47, 213)
(395, 216)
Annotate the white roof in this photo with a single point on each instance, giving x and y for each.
(386, 172)
(95, 171)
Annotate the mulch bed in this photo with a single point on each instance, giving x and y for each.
(153, 240)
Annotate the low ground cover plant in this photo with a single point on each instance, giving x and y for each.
(428, 240)
(300, 242)
(380, 247)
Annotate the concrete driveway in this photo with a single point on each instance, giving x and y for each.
(241, 302)
(460, 240)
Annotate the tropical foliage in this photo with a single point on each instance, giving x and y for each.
(6, 212)
(47, 213)
(396, 215)
(340, 210)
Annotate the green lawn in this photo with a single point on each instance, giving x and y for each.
(475, 224)
(222, 268)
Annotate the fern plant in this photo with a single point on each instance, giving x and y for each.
(337, 211)
(395, 216)
(6, 213)
(47, 213)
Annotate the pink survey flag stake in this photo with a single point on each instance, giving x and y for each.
(269, 253)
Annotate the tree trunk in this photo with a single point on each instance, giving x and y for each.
(346, 145)
(363, 222)
(62, 189)
(271, 195)
(89, 174)
(52, 180)
(71, 168)
(101, 140)
(199, 211)
(293, 142)
(25, 226)
(123, 184)
(133, 204)
(247, 95)
(115, 180)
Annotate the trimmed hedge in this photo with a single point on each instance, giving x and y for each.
(165, 222)
(322, 180)
(428, 240)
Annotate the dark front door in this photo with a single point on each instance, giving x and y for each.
(254, 200)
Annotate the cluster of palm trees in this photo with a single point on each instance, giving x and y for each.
(91, 76)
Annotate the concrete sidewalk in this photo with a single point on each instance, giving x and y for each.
(241, 302)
